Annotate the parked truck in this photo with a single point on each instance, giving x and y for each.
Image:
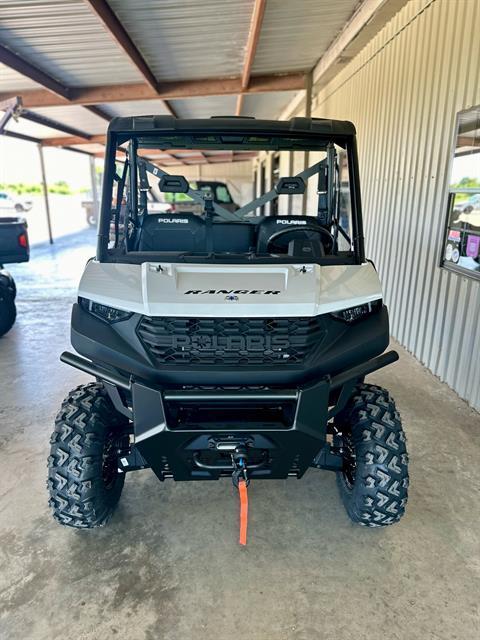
(14, 247)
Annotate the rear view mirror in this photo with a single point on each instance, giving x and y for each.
(173, 184)
(290, 185)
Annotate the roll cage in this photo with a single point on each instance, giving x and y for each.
(128, 135)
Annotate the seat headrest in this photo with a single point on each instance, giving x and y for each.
(173, 219)
(271, 224)
(172, 232)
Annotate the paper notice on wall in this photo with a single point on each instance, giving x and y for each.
(473, 246)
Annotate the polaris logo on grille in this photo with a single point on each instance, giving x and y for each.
(232, 292)
(232, 343)
(174, 221)
(291, 222)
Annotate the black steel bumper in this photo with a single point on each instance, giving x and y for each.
(200, 448)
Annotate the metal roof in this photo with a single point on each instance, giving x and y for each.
(135, 108)
(191, 58)
(75, 116)
(65, 38)
(189, 39)
(296, 34)
(10, 79)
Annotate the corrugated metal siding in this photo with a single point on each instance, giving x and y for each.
(403, 92)
(189, 39)
(295, 34)
(65, 38)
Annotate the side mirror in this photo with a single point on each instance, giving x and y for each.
(173, 184)
(290, 185)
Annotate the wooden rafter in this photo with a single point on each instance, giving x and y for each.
(69, 141)
(251, 49)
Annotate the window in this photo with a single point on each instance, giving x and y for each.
(223, 195)
(461, 250)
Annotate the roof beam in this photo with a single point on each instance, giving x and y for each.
(117, 31)
(54, 124)
(120, 35)
(168, 90)
(362, 19)
(98, 112)
(20, 136)
(69, 141)
(20, 65)
(251, 48)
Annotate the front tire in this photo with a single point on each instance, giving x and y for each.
(374, 480)
(8, 310)
(83, 477)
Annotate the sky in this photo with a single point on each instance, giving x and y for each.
(466, 166)
(19, 162)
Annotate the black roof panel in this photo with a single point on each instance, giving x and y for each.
(233, 124)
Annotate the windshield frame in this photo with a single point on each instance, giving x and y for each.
(116, 136)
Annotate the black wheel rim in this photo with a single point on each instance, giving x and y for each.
(349, 470)
(110, 461)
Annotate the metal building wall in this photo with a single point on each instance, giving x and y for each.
(403, 91)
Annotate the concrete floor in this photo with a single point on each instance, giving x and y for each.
(168, 566)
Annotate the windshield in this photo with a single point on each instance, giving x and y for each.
(226, 197)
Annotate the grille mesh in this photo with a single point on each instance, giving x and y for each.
(231, 341)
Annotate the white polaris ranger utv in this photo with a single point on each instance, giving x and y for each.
(230, 343)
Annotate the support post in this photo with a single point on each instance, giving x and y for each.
(45, 192)
(308, 114)
(93, 177)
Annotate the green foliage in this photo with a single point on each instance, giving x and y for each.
(60, 187)
(20, 188)
(465, 183)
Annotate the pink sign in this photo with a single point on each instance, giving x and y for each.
(473, 246)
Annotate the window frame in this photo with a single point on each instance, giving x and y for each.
(448, 203)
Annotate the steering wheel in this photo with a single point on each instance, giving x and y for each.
(308, 227)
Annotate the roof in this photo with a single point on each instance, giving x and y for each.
(81, 62)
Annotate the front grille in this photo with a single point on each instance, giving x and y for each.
(231, 341)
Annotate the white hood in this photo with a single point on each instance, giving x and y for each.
(164, 289)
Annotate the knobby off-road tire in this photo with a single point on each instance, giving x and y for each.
(83, 477)
(374, 481)
(8, 311)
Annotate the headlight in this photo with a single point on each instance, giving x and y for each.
(358, 313)
(107, 314)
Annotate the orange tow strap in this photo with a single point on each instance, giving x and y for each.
(242, 492)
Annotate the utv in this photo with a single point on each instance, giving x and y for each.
(230, 343)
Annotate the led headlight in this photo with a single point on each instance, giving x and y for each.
(358, 313)
(102, 311)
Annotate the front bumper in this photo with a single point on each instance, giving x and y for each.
(190, 434)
